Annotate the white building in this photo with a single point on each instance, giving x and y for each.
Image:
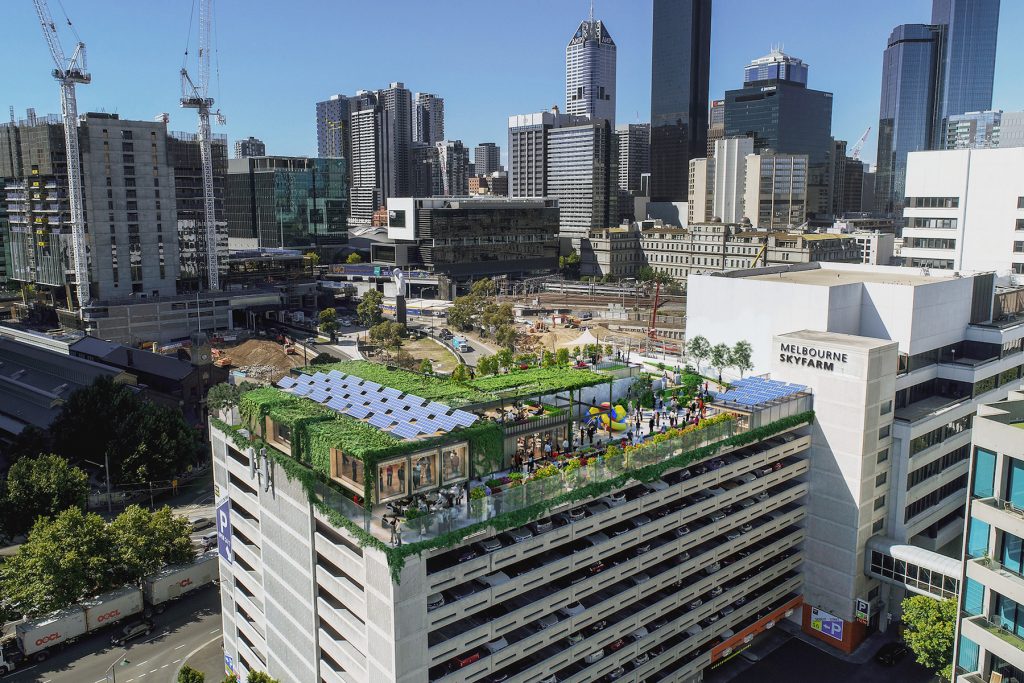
(957, 345)
(428, 118)
(590, 72)
(876, 247)
(965, 210)
(731, 178)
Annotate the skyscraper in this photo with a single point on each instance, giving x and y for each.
(590, 72)
(680, 63)
(185, 157)
(716, 125)
(428, 118)
(332, 127)
(910, 68)
(250, 147)
(634, 151)
(452, 169)
(581, 175)
(528, 150)
(782, 114)
(486, 158)
(968, 59)
(396, 105)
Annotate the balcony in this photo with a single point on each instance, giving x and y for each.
(997, 577)
(1002, 514)
(999, 641)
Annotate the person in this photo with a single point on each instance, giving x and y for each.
(650, 425)
(547, 448)
(398, 531)
(401, 477)
(532, 462)
(565, 445)
(390, 475)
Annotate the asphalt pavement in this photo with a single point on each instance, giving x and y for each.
(181, 631)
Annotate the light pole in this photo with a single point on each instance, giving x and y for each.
(111, 674)
(106, 467)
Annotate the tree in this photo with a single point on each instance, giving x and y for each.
(460, 374)
(226, 395)
(720, 357)
(462, 312)
(144, 541)
(259, 677)
(506, 336)
(742, 356)
(483, 288)
(369, 309)
(570, 265)
(329, 321)
(230, 678)
(505, 358)
(699, 348)
(562, 356)
(549, 359)
(493, 316)
(324, 359)
(189, 675)
(65, 559)
(156, 447)
(488, 365)
(426, 367)
(388, 335)
(354, 258)
(41, 487)
(930, 624)
(314, 260)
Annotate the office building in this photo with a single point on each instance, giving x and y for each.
(368, 142)
(486, 158)
(250, 147)
(782, 114)
(989, 646)
(590, 73)
(680, 67)
(730, 173)
(428, 118)
(775, 191)
(903, 481)
(469, 238)
(528, 150)
(658, 577)
(423, 169)
(494, 184)
(968, 59)
(333, 133)
(452, 169)
(905, 123)
(185, 158)
(633, 142)
(287, 202)
(985, 129)
(716, 125)
(582, 176)
(965, 210)
(868, 203)
(132, 235)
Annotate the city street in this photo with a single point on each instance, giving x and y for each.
(184, 628)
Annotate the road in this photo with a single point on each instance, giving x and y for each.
(184, 628)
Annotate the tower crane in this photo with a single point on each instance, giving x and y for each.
(70, 72)
(197, 97)
(860, 144)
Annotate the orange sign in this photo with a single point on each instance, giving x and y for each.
(727, 647)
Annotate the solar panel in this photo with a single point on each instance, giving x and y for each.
(369, 385)
(405, 431)
(389, 391)
(335, 374)
(428, 426)
(436, 408)
(301, 390)
(447, 422)
(381, 421)
(463, 418)
(319, 395)
(358, 411)
(415, 400)
(286, 382)
(319, 377)
(338, 404)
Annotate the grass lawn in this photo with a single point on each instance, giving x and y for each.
(442, 359)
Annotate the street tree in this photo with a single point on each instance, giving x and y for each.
(388, 335)
(66, 558)
(259, 677)
(494, 316)
(720, 357)
(41, 487)
(930, 625)
(570, 265)
(144, 541)
(369, 311)
(505, 357)
(353, 258)
(549, 359)
(426, 367)
(699, 349)
(506, 336)
(460, 374)
(189, 675)
(488, 365)
(742, 356)
(462, 313)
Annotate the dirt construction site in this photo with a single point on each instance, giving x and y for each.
(262, 360)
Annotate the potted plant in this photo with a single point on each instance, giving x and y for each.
(477, 498)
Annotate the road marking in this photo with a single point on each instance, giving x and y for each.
(165, 666)
(179, 647)
(175, 661)
(216, 630)
(211, 640)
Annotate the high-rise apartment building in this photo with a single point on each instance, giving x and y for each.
(287, 202)
(634, 151)
(185, 157)
(486, 158)
(989, 644)
(528, 150)
(680, 68)
(985, 129)
(965, 210)
(450, 180)
(582, 176)
(250, 147)
(847, 181)
(128, 196)
(931, 72)
(333, 134)
(428, 118)
(730, 174)
(395, 102)
(590, 72)
(783, 115)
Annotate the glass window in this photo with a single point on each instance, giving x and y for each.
(977, 538)
(392, 479)
(1016, 486)
(424, 471)
(454, 462)
(1013, 558)
(348, 469)
(974, 595)
(984, 473)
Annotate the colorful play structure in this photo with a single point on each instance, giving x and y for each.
(607, 415)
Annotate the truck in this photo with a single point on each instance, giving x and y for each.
(460, 344)
(36, 639)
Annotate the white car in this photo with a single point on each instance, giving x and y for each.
(434, 601)
(496, 645)
(572, 609)
(639, 634)
(694, 630)
(594, 657)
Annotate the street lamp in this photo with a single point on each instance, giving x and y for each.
(106, 466)
(111, 675)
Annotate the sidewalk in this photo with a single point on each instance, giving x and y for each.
(863, 654)
(209, 659)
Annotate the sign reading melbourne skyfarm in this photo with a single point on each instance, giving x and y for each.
(810, 356)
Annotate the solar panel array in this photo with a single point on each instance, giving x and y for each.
(405, 416)
(755, 391)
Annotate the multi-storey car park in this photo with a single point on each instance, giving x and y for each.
(644, 564)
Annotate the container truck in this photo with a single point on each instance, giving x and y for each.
(38, 638)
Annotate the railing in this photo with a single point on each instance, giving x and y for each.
(998, 568)
(533, 424)
(1003, 634)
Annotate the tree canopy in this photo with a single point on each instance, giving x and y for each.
(42, 486)
(699, 348)
(930, 626)
(189, 675)
(720, 357)
(354, 257)
(369, 311)
(742, 356)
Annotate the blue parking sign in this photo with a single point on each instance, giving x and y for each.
(827, 624)
(224, 529)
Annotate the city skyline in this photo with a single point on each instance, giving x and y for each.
(477, 108)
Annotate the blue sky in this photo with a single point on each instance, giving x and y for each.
(487, 59)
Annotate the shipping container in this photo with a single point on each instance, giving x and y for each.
(109, 608)
(172, 582)
(53, 629)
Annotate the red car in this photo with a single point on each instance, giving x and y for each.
(467, 659)
(617, 645)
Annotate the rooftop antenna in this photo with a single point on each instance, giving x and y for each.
(591, 11)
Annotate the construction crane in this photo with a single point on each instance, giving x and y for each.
(70, 72)
(855, 154)
(197, 97)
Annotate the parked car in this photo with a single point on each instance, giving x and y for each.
(682, 531)
(463, 590)
(694, 630)
(596, 627)
(466, 554)
(546, 621)
(577, 513)
(639, 521)
(717, 515)
(573, 638)
(496, 645)
(616, 498)
(572, 609)
(594, 657)
(466, 659)
(639, 634)
(615, 645)
(209, 540)
(716, 591)
(542, 525)
(712, 568)
(200, 523)
(495, 579)
(890, 654)
(434, 601)
(519, 535)
(641, 659)
(135, 629)
(642, 577)
(615, 674)
(488, 545)
(695, 603)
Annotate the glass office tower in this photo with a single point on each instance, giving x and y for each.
(680, 62)
(910, 67)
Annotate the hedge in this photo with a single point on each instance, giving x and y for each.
(310, 479)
